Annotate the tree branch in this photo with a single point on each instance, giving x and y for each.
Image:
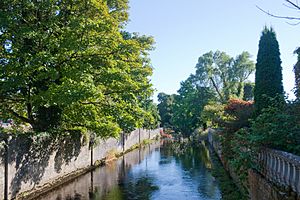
(24, 119)
(217, 89)
(293, 4)
(278, 16)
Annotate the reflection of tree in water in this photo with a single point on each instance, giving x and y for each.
(196, 161)
(140, 189)
(188, 154)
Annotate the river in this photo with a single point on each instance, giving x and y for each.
(161, 170)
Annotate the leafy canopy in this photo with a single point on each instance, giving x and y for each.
(69, 65)
(224, 74)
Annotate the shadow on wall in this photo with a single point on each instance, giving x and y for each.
(30, 154)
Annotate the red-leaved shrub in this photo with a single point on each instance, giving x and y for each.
(239, 112)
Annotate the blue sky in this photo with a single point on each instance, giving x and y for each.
(184, 30)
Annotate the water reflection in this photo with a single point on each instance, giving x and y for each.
(158, 171)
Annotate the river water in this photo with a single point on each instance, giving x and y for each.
(162, 170)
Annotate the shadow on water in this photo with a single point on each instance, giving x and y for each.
(157, 171)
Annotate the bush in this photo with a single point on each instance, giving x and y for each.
(276, 128)
(234, 135)
(213, 114)
(239, 112)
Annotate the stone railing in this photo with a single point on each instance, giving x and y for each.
(280, 167)
(274, 166)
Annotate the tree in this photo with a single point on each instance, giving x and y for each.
(297, 74)
(243, 67)
(248, 91)
(68, 64)
(223, 73)
(189, 105)
(152, 117)
(165, 107)
(268, 76)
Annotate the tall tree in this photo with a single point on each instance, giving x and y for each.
(68, 64)
(268, 76)
(223, 73)
(297, 74)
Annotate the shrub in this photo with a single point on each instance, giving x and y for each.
(239, 112)
(276, 128)
(213, 114)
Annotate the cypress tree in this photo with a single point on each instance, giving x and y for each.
(297, 74)
(268, 75)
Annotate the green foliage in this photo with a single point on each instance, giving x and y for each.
(297, 74)
(277, 124)
(276, 128)
(69, 64)
(200, 97)
(234, 137)
(213, 113)
(229, 190)
(152, 117)
(248, 91)
(165, 107)
(268, 76)
(224, 74)
(189, 105)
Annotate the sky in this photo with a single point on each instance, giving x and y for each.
(185, 30)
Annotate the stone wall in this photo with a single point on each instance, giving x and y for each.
(102, 179)
(262, 189)
(37, 161)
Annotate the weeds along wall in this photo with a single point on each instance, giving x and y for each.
(36, 161)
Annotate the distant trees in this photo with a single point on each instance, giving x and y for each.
(165, 108)
(268, 75)
(218, 78)
(189, 104)
(151, 115)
